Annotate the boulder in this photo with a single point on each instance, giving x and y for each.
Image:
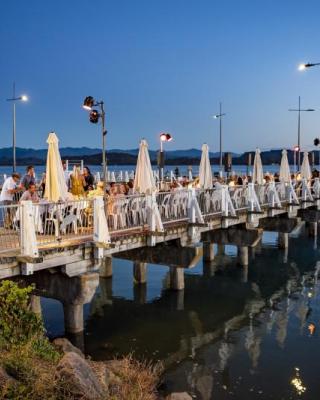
(179, 396)
(5, 379)
(65, 346)
(77, 375)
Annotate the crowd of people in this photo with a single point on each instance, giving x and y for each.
(82, 184)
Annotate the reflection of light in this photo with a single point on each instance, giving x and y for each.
(309, 294)
(311, 328)
(301, 67)
(297, 383)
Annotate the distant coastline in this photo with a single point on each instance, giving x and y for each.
(129, 157)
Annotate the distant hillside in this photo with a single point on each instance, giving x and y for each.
(82, 152)
(129, 157)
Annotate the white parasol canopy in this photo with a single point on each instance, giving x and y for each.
(56, 188)
(257, 176)
(144, 180)
(205, 173)
(305, 167)
(285, 175)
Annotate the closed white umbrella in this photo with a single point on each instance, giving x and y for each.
(257, 176)
(56, 188)
(126, 176)
(205, 173)
(144, 181)
(305, 167)
(285, 175)
(113, 176)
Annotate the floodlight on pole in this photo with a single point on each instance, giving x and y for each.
(164, 137)
(94, 117)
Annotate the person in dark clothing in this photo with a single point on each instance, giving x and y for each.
(29, 178)
(88, 179)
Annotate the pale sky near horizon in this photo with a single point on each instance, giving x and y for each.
(161, 66)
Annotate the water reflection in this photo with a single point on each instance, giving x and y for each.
(230, 329)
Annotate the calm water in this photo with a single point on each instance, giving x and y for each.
(228, 335)
(183, 169)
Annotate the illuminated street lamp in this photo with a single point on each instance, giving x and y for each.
(219, 116)
(295, 150)
(94, 117)
(164, 137)
(299, 110)
(302, 67)
(14, 99)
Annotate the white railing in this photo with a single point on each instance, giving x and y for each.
(63, 222)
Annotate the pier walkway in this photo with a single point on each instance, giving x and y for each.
(78, 235)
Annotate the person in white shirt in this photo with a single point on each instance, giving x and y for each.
(9, 188)
(8, 191)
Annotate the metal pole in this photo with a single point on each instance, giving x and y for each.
(220, 139)
(160, 161)
(294, 161)
(299, 134)
(14, 164)
(104, 161)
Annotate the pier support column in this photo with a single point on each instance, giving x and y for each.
(140, 293)
(283, 240)
(35, 304)
(105, 270)
(244, 274)
(73, 318)
(208, 252)
(243, 253)
(313, 229)
(176, 278)
(221, 249)
(139, 272)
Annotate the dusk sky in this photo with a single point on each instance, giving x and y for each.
(160, 66)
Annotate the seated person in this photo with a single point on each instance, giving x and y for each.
(30, 194)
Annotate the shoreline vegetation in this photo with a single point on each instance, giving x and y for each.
(33, 368)
(178, 157)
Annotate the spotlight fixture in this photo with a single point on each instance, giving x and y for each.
(88, 103)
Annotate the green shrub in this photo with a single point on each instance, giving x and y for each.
(18, 323)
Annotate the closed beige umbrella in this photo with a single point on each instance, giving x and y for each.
(56, 188)
(305, 167)
(144, 180)
(205, 172)
(257, 176)
(285, 175)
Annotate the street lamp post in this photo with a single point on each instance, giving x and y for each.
(94, 117)
(299, 110)
(220, 115)
(164, 137)
(14, 99)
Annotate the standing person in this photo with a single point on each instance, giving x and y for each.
(29, 178)
(76, 182)
(88, 179)
(9, 189)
